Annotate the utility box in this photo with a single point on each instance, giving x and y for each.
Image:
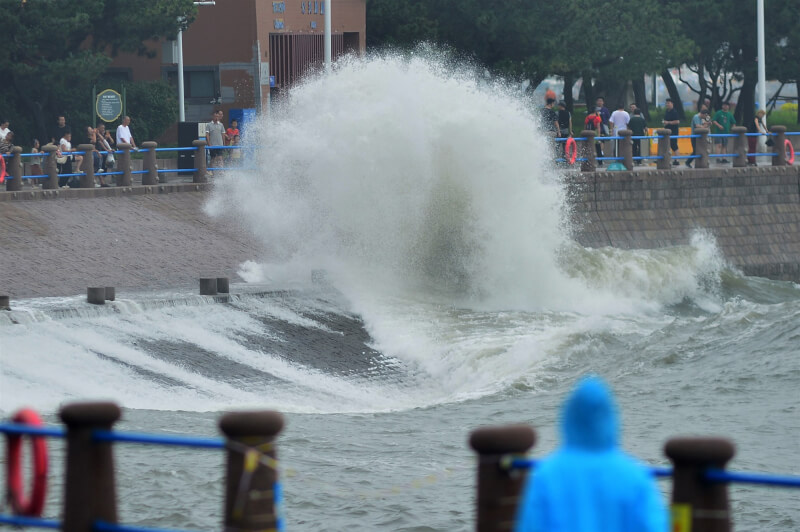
(187, 132)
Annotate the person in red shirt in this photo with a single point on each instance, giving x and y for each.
(594, 122)
(231, 132)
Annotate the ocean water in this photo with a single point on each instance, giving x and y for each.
(452, 297)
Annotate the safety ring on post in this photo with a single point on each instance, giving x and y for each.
(571, 150)
(19, 503)
(2, 169)
(789, 151)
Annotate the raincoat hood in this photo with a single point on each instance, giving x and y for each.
(589, 419)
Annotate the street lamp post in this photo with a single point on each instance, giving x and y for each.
(327, 36)
(762, 77)
(181, 27)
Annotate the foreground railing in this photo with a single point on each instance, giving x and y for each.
(253, 495)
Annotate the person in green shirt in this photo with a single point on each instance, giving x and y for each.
(723, 121)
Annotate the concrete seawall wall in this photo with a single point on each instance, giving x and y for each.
(754, 213)
(59, 242)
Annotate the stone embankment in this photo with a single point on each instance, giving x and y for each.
(58, 242)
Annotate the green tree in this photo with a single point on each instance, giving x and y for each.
(54, 51)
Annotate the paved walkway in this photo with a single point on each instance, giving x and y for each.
(58, 247)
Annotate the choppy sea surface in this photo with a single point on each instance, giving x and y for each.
(453, 298)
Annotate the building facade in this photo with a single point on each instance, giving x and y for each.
(245, 54)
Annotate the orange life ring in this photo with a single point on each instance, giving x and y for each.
(790, 150)
(2, 169)
(571, 150)
(21, 505)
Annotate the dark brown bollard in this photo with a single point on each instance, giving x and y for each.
(252, 490)
(111, 293)
(626, 148)
(587, 152)
(664, 149)
(499, 489)
(739, 146)
(90, 493)
(223, 285)
(697, 504)
(208, 286)
(779, 148)
(14, 169)
(50, 167)
(701, 148)
(96, 295)
(199, 161)
(5, 303)
(87, 166)
(124, 165)
(149, 163)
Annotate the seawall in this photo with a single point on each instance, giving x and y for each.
(57, 243)
(754, 213)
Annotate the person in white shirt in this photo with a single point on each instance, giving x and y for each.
(619, 119)
(64, 150)
(124, 133)
(3, 128)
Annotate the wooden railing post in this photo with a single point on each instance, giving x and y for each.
(626, 147)
(701, 148)
(87, 166)
(739, 146)
(779, 148)
(14, 169)
(499, 490)
(50, 167)
(89, 489)
(699, 505)
(149, 164)
(124, 165)
(199, 161)
(587, 152)
(252, 488)
(664, 149)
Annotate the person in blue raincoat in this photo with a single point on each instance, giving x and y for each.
(589, 484)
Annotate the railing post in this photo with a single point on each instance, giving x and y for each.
(199, 161)
(701, 147)
(50, 167)
(664, 149)
(252, 490)
(149, 164)
(626, 147)
(779, 147)
(739, 146)
(14, 169)
(124, 165)
(587, 152)
(697, 504)
(499, 490)
(87, 180)
(89, 488)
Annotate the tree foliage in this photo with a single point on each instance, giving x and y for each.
(54, 51)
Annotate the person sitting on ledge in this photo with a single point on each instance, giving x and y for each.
(589, 484)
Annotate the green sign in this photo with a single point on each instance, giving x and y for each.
(108, 105)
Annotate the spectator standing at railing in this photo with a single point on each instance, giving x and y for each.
(638, 128)
(700, 120)
(65, 158)
(7, 142)
(605, 115)
(4, 128)
(756, 126)
(59, 130)
(564, 125)
(723, 121)
(230, 134)
(124, 133)
(105, 143)
(594, 122)
(36, 162)
(97, 158)
(589, 484)
(672, 122)
(550, 118)
(215, 132)
(619, 120)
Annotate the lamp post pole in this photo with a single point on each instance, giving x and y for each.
(762, 77)
(327, 35)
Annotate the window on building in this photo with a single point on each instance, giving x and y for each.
(198, 83)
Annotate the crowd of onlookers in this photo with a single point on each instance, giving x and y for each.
(606, 123)
(69, 159)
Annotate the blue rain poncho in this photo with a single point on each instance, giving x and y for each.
(589, 484)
